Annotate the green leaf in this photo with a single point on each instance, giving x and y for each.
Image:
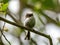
(5, 1)
(48, 4)
(4, 7)
(34, 1)
(1, 1)
(45, 4)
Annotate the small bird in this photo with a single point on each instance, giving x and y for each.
(29, 23)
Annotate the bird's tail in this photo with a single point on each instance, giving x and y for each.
(28, 35)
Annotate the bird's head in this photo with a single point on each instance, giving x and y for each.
(29, 15)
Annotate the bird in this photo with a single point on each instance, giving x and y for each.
(29, 23)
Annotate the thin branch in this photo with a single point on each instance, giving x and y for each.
(6, 39)
(33, 41)
(3, 26)
(1, 43)
(21, 43)
(48, 18)
(4, 36)
(8, 12)
(28, 29)
(18, 22)
(2, 32)
(41, 20)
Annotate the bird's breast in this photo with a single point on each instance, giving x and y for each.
(30, 22)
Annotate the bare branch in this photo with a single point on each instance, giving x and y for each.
(3, 30)
(8, 12)
(28, 29)
(4, 36)
(33, 41)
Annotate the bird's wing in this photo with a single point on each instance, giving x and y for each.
(30, 22)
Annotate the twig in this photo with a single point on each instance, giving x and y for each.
(2, 32)
(4, 36)
(33, 41)
(41, 20)
(1, 43)
(21, 43)
(28, 29)
(8, 12)
(6, 39)
(18, 22)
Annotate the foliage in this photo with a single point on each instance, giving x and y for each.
(5, 1)
(3, 6)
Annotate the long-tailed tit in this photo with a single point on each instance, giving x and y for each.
(29, 23)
